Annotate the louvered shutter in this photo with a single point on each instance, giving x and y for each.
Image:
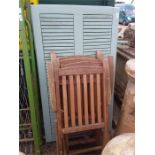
(97, 33)
(70, 30)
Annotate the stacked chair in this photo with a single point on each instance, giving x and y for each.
(80, 90)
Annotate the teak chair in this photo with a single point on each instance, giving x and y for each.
(80, 91)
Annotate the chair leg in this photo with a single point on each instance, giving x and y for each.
(98, 137)
(57, 138)
(65, 144)
(59, 149)
(106, 137)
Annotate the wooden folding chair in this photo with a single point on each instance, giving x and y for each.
(79, 88)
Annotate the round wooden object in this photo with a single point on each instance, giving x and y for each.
(121, 145)
(126, 122)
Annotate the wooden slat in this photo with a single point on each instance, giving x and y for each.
(82, 63)
(105, 100)
(83, 128)
(65, 105)
(82, 151)
(72, 104)
(80, 70)
(98, 98)
(51, 86)
(81, 141)
(85, 99)
(77, 59)
(79, 100)
(111, 68)
(92, 99)
(100, 55)
(57, 137)
(109, 73)
(58, 107)
(65, 144)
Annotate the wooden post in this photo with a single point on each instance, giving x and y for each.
(126, 121)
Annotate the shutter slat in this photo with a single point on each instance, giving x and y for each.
(97, 47)
(54, 34)
(58, 48)
(59, 45)
(59, 51)
(57, 23)
(57, 30)
(54, 15)
(58, 42)
(97, 20)
(97, 34)
(94, 37)
(56, 19)
(58, 37)
(97, 23)
(56, 27)
(93, 51)
(97, 30)
(96, 41)
(90, 16)
(97, 26)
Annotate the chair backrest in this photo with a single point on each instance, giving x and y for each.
(81, 87)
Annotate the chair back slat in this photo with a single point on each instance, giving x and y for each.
(65, 102)
(72, 103)
(79, 108)
(92, 98)
(82, 63)
(85, 94)
(98, 86)
(80, 70)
